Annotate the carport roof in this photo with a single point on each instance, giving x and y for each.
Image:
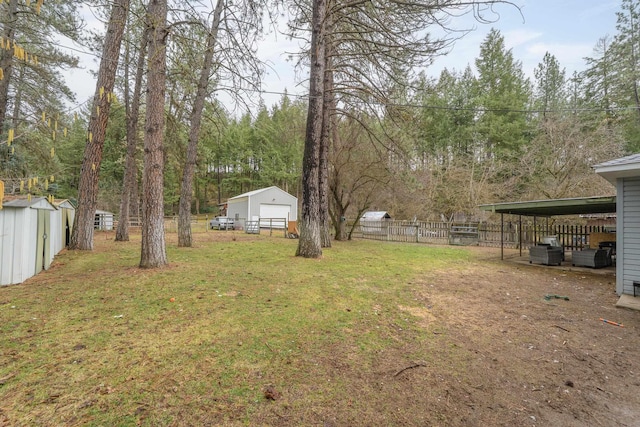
(546, 208)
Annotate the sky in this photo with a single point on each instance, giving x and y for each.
(568, 29)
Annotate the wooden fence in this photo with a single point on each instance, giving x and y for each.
(512, 235)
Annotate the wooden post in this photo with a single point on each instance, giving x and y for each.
(501, 236)
(520, 233)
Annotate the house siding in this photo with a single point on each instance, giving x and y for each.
(628, 235)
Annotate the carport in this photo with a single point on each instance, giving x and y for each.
(549, 208)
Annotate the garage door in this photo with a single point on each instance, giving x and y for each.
(268, 211)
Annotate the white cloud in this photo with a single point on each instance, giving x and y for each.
(516, 38)
(570, 56)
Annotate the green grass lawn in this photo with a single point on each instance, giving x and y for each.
(97, 341)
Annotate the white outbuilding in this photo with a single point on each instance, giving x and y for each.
(272, 206)
(64, 215)
(27, 241)
(104, 220)
(374, 222)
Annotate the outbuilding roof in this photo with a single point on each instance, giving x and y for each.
(24, 202)
(258, 191)
(546, 208)
(375, 216)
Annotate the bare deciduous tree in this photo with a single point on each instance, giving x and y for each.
(202, 91)
(370, 43)
(132, 105)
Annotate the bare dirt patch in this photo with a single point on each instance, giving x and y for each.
(532, 360)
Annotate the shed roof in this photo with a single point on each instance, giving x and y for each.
(63, 203)
(375, 215)
(258, 191)
(623, 167)
(24, 202)
(572, 206)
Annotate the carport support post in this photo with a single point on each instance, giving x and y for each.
(520, 233)
(501, 236)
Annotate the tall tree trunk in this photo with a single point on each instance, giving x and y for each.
(186, 190)
(339, 210)
(6, 58)
(153, 251)
(82, 234)
(130, 181)
(309, 244)
(328, 103)
(338, 202)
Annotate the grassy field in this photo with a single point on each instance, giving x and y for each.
(238, 332)
(230, 327)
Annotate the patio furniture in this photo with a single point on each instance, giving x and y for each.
(594, 258)
(545, 254)
(553, 242)
(611, 247)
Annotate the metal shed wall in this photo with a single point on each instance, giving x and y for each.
(247, 205)
(103, 220)
(19, 241)
(273, 196)
(238, 208)
(11, 245)
(63, 215)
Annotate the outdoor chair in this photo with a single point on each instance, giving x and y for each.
(545, 254)
(553, 242)
(594, 258)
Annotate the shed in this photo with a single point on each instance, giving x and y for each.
(374, 222)
(26, 241)
(271, 203)
(103, 220)
(64, 215)
(375, 216)
(624, 174)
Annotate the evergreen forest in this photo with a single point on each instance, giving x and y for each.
(416, 145)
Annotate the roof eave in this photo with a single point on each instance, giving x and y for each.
(614, 172)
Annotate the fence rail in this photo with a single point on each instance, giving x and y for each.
(512, 235)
